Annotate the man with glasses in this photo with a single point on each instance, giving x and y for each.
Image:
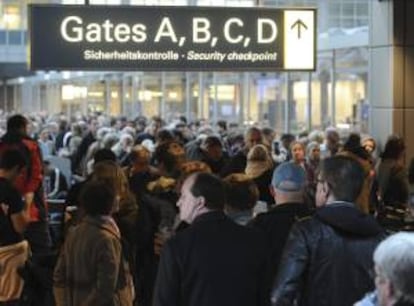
(394, 272)
(327, 258)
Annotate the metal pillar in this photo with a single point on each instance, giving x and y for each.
(163, 94)
(244, 100)
(187, 95)
(309, 101)
(215, 102)
(333, 89)
(287, 102)
(107, 96)
(123, 93)
(200, 111)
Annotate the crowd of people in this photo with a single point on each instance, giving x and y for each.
(192, 213)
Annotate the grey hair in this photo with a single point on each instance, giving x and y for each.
(395, 259)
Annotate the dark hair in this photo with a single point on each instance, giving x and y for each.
(16, 122)
(104, 154)
(163, 156)
(344, 175)
(241, 191)
(353, 145)
(97, 197)
(183, 119)
(11, 158)
(394, 147)
(63, 125)
(287, 139)
(222, 124)
(211, 141)
(164, 135)
(211, 188)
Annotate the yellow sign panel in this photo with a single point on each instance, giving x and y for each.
(299, 39)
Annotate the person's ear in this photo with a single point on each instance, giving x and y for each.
(325, 189)
(201, 201)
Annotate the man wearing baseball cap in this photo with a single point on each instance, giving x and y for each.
(287, 188)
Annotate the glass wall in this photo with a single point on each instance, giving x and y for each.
(335, 94)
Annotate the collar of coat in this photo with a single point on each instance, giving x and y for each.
(210, 216)
(106, 223)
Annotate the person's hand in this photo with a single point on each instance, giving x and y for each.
(160, 238)
(4, 208)
(159, 241)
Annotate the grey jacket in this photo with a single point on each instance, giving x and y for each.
(89, 271)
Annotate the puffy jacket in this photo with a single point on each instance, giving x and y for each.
(328, 258)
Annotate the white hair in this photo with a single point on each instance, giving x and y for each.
(395, 259)
(129, 130)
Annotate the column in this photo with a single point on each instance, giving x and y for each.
(391, 71)
(200, 107)
(107, 94)
(188, 96)
(324, 77)
(309, 103)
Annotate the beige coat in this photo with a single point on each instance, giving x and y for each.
(12, 257)
(89, 271)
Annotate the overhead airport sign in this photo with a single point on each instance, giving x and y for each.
(171, 38)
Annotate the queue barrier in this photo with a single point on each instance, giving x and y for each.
(56, 220)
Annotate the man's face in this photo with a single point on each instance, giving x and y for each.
(254, 138)
(332, 140)
(93, 126)
(187, 203)
(214, 152)
(322, 191)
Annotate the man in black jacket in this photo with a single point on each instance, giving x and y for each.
(328, 258)
(287, 188)
(214, 261)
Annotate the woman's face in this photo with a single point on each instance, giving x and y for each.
(298, 153)
(369, 146)
(315, 154)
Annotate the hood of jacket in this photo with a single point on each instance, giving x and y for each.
(346, 218)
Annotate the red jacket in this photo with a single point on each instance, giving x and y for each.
(31, 177)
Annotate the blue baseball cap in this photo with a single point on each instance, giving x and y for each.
(289, 177)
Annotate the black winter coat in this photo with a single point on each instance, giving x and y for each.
(213, 262)
(276, 224)
(328, 258)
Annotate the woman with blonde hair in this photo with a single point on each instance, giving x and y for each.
(127, 211)
(111, 171)
(259, 168)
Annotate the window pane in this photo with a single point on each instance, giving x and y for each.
(15, 37)
(2, 37)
